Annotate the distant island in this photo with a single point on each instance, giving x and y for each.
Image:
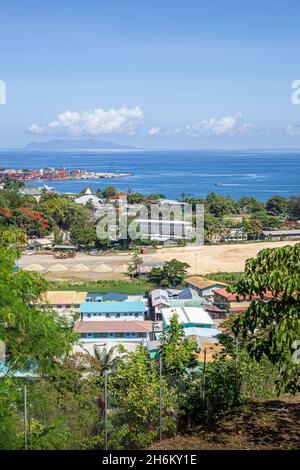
(74, 144)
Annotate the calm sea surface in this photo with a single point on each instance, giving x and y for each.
(172, 173)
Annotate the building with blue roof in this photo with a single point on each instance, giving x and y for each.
(127, 310)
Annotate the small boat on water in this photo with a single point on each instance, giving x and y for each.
(218, 183)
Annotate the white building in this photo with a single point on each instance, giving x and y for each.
(112, 333)
(111, 310)
(187, 316)
(89, 197)
(164, 230)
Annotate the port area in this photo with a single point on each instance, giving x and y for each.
(56, 174)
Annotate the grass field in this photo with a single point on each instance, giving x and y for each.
(122, 287)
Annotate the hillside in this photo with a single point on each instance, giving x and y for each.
(75, 144)
(257, 426)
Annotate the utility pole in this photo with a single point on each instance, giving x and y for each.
(105, 407)
(203, 376)
(160, 398)
(236, 368)
(25, 417)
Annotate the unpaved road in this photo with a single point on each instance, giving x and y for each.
(202, 260)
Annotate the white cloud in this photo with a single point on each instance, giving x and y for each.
(226, 125)
(292, 130)
(35, 129)
(96, 122)
(154, 130)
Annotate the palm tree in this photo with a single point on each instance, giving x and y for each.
(104, 359)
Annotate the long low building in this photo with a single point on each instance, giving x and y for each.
(204, 287)
(281, 234)
(232, 304)
(187, 317)
(62, 300)
(104, 311)
(114, 332)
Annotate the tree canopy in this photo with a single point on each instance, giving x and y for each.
(272, 328)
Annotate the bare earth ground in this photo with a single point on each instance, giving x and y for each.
(268, 425)
(202, 259)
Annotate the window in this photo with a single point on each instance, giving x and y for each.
(141, 335)
(120, 335)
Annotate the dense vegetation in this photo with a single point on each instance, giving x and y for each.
(59, 214)
(66, 398)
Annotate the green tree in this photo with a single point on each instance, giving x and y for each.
(219, 205)
(272, 329)
(277, 205)
(252, 228)
(249, 204)
(134, 197)
(213, 229)
(134, 414)
(106, 192)
(294, 207)
(64, 211)
(84, 234)
(13, 184)
(177, 351)
(31, 335)
(135, 264)
(172, 273)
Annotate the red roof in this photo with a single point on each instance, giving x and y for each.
(233, 297)
(114, 326)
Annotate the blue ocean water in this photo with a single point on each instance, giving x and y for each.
(241, 173)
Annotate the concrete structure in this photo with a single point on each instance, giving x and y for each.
(114, 311)
(204, 287)
(164, 230)
(281, 234)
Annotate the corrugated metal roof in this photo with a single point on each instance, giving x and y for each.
(203, 283)
(280, 233)
(112, 307)
(195, 315)
(201, 332)
(69, 297)
(114, 326)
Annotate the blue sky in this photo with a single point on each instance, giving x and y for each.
(161, 74)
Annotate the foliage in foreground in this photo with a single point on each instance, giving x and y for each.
(272, 328)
